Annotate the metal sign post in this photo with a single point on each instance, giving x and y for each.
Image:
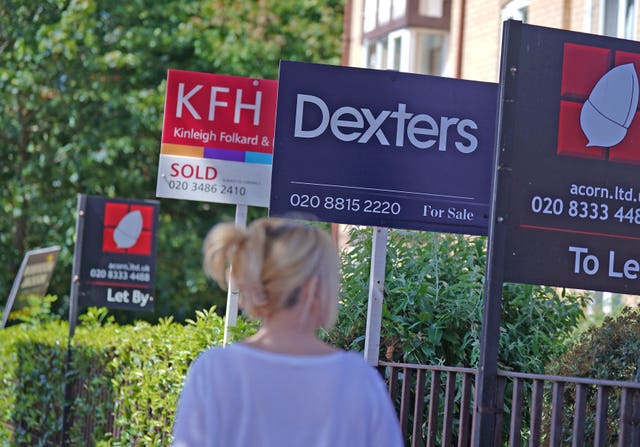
(231, 314)
(217, 146)
(485, 431)
(417, 155)
(376, 295)
(73, 316)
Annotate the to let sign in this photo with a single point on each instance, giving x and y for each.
(571, 160)
(383, 148)
(217, 138)
(116, 259)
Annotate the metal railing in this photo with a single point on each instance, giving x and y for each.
(435, 407)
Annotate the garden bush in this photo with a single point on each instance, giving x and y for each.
(125, 380)
(433, 303)
(608, 351)
(433, 299)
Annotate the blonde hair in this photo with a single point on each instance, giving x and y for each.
(271, 261)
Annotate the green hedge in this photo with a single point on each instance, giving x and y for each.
(610, 351)
(125, 379)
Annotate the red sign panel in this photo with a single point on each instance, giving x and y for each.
(596, 111)
(220, 111)
(217, 138)
(128, 228)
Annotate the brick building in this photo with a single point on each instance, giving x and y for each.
(462, 39)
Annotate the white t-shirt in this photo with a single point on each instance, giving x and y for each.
(240, 396)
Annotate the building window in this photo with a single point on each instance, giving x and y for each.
(376, 53)
(370, 13)
(399, 8)
(630, 19)
(399, 50)
(618, 18)
(383, 48)
(390, 52)
(430, 53)
(371, 59)
(516, 10)
(396, 63)
(384, 11)
(381, 12)
(431, 8)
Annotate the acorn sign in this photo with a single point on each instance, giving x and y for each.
(612, 104)
(128, 230)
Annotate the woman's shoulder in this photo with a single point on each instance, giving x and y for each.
(357, 360)
(240, 353)
(218, 354)
(214, 358)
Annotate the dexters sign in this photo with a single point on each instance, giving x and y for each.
(572, 193)
(383, 148)
(217, 138)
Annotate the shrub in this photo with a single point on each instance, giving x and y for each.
(432, 310)
(610, 351)
(125, 380)
(32, 375)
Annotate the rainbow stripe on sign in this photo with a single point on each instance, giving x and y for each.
(217, 154)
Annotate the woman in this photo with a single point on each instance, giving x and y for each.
(282, 386)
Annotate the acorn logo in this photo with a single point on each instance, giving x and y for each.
(128, 230)
(611, 107)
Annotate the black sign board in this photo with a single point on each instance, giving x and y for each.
(383, 148)
(570, 160)
(32, 278)
(115, 260)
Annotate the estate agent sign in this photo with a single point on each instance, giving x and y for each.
(383, 148)
(217, 138)
(116, 256)
(32, 278)
(572, 190)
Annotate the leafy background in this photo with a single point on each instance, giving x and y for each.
(82, 87)
(432, 309)
(81, 101)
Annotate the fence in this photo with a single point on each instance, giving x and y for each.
(435, 407)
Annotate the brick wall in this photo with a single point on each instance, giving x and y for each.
(547, 13)
(482, 29)
(481, 42)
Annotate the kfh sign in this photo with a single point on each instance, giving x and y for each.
(217, 138)
(571, 198)
(383, 148)
(116, 252)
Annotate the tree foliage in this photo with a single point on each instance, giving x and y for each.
(82, 94)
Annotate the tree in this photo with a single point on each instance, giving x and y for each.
(82, 85)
